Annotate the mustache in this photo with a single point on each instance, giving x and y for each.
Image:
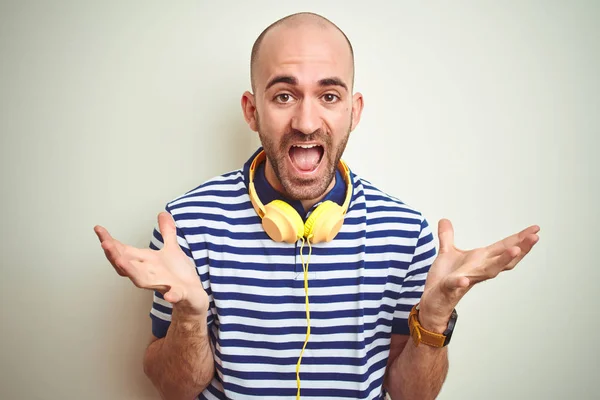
(295, 136)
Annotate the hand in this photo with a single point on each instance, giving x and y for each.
(169, 270)
(454, 272)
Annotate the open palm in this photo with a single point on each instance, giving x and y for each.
(168, 270)
(455, 271)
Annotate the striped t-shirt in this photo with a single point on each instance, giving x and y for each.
(362, 286)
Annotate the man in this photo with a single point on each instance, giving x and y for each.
(250, 259)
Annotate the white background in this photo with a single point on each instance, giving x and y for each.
(482, 112)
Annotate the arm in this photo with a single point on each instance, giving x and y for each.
(181, 364)
(419, 371)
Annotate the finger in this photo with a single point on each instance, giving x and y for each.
(102, 233)
(140, 273)
(112, 255)
(167, 228)
(117, 267)
(499, 247)
(445, 235)
(113, 249)
(121, 256)
(526, 245)
(119, 270)
(500, 263)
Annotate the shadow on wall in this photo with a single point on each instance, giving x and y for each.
(130, 327)
(238, 142)
(127, 308)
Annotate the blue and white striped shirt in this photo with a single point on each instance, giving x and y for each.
(362, 286)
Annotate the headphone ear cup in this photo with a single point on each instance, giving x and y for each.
(282, 223)
(324, 223)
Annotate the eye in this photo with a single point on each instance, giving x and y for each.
(330, 98)
(283, 98)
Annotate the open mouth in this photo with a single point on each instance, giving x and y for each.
(306, 157)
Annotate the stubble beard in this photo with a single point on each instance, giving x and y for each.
(298, 188)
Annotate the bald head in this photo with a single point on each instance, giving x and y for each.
(296, 22)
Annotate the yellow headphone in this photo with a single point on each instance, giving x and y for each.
(283, 224)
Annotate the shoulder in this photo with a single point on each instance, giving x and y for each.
(217, 200)
(382, 207)
(226, 186)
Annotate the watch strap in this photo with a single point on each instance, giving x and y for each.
(422, 335)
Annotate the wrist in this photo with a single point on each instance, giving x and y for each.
(190, 319)
(436, 325)
(194, 302)
(434, 319)
(186, 310)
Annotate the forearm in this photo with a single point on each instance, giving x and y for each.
(417, 373)
(181, 365)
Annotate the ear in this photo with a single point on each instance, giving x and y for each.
(249, 110)
(357, 107)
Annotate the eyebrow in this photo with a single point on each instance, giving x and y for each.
(290, 80)
(333, 82)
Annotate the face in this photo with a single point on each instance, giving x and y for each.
(302, 108)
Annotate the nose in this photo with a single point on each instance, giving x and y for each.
(306, 118)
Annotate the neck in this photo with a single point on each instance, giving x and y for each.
(307, 204)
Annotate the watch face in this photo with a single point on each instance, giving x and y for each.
(448, 332)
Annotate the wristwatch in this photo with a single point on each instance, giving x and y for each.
(422, 335)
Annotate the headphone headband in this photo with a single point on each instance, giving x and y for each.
(254, 199)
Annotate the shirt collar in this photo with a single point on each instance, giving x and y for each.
(266, 192)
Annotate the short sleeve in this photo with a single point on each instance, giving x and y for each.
(161, 310)
(414, 281)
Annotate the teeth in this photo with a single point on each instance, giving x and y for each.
(306, 146)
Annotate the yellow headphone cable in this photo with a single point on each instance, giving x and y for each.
(305, 270)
